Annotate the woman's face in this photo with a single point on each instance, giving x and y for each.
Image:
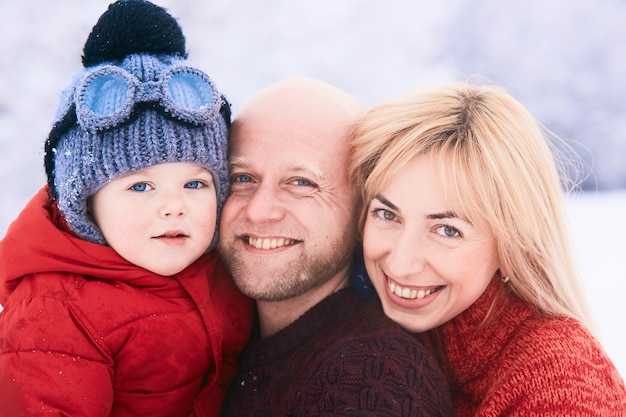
(427, 262)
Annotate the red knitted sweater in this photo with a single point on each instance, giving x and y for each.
(519, 363)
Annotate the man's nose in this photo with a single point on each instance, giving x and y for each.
(265, 205)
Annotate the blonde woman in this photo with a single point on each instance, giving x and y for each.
(466, 243)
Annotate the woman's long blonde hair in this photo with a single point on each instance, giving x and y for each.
(499, 170)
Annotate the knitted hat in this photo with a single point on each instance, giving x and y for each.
(136, 104)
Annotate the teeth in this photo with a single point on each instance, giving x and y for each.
(410, 294)
(272, 243)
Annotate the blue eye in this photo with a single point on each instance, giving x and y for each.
(140, 186)
(302, 182)
(240, 178)
(193, 184)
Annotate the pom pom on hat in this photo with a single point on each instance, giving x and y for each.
(143, 40)
(132, 27)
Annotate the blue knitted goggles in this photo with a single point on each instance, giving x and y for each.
(107, 96)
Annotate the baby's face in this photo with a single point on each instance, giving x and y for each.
(161, 218)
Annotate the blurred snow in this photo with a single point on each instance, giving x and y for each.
(598, 227)
(565, 60)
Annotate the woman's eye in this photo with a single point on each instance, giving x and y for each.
(384, 214)
(140, 186)
(448, 231)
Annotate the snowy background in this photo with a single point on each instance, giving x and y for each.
(565, 60)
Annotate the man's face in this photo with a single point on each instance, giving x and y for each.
(288, 225)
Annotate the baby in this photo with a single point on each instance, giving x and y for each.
(115, 302)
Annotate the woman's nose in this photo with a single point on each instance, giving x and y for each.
(407, 256)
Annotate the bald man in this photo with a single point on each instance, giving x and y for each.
(288, 233)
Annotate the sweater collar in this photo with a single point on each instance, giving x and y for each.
(311, 323)
(470, 342)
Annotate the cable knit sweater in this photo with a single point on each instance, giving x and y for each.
(341, 358)
(519, 363)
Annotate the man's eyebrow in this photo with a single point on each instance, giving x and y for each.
(307, 169)
(238, 161)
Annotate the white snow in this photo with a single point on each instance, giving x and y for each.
(565, 61)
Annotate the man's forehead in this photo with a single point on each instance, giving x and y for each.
(286, 165)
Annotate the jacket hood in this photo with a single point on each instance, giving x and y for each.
(39, 241)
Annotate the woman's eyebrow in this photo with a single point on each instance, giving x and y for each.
(443, 215)
(434, 216)
(386, 202)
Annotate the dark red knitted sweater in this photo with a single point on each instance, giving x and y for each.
(341, 358)
(519, 363)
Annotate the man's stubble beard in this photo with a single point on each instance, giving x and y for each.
(296, 277)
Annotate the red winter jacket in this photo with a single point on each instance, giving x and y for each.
(85, 333)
